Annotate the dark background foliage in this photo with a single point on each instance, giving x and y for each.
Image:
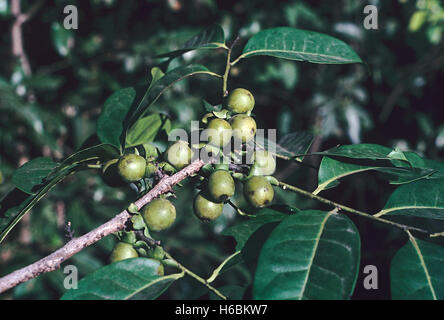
(395, 100)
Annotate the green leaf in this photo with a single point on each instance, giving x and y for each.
(243, 230)
(290, 146)
(135, 278)
(110, 122)
(423, 198)
(32, 174)
(309, 255)
(62, 39)
(416, 271)
(300, 45)
(146, 129)
(210, 38)
(159, 87)
(331, 170)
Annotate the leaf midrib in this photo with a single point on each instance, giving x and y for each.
(385, 211)
(421, 259)
(249, 53)
(318, 238)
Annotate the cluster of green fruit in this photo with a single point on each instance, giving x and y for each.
(234, 122)
(218, 185)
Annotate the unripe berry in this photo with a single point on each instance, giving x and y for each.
(240, 101)
(179, 154)
(131, 167)
(221, 186)
(219, 132)
(258, 191)
(123, 251)
(205, 209)
(159, 214)
(244, 127)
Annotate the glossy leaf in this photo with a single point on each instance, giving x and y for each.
(115, 109)
(331, 170)
(135, 278)
(416, 271)
(32, 174)
(300, 45)
(147, 128)
(309, 255)
(423, 198)
(210, 38)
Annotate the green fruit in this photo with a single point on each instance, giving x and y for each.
(219, 133)
(179, 154)
(265, 161)
(205, 209)
(131, 167)
(244, 127)
(221, 186)
(258, 191)
(240, 101)
(123, 251)
(110, 174)
(159, 214)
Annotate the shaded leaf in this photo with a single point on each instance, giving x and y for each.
(14, 214)
(243, 230)
(96, 154)
(135, 278)
(300, 45)
(110, 122)
(416, 271)
(309, 255)
(210, 38)
(32, 174)
(291, 146)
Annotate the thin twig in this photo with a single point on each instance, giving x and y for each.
(54, 260)
(227, 68)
